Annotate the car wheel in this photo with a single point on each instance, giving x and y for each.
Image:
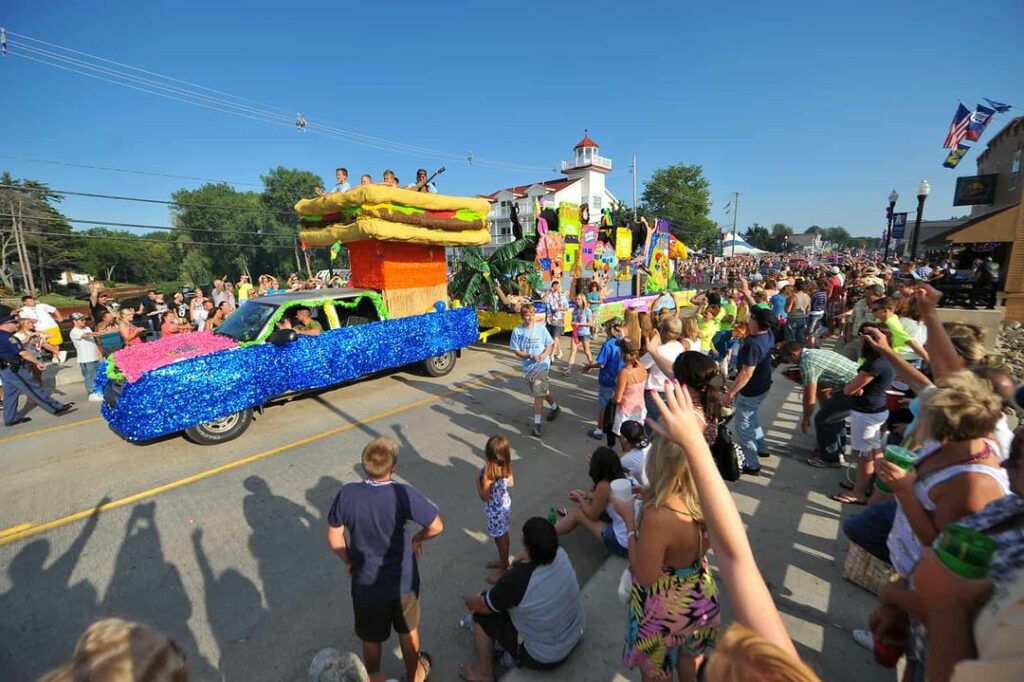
(220, 430)
(439, 365)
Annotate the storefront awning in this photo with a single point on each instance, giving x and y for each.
(997, 226)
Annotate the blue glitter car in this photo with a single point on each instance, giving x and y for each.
(212, 397)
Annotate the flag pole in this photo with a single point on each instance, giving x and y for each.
(735, 212)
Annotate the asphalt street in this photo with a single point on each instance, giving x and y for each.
(224, 548)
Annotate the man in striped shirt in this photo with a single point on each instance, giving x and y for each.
(831, 371)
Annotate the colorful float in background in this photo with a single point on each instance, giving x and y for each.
(569, 249)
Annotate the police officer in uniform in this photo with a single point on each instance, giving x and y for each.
(15, 375)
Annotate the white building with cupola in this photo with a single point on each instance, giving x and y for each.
(583, 183)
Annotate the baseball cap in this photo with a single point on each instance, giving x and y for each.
(835, 269)
(764, 317)
(77, 316)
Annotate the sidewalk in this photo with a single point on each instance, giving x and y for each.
(794, 529)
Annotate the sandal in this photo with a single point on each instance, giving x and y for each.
(426, 662)
(562, 511)
(845, 485)
(848, 499)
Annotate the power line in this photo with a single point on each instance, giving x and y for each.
(218, 100)
(106, 223)
(65, 192)
(128, 170)
(79, 235)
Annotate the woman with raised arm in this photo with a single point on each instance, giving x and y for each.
(757, 646)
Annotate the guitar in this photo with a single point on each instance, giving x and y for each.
(423, 187)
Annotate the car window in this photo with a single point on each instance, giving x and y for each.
(246, 323)
(355, 311)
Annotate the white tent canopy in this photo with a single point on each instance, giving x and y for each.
(743, 247)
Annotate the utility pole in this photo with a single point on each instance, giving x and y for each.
(634, 188)
(735, 213)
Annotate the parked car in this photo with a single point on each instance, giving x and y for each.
(212, 396)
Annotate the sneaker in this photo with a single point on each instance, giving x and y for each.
(61, 357)
(752, 472)
(553, 414)
(95, 398)
(865, 639)
(64, 409)
(596, 434)
(822, 464)
(536, 430)
(764, 455)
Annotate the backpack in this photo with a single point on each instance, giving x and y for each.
(727, 454)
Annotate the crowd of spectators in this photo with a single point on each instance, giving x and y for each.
(936, 485)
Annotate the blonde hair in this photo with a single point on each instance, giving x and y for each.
(669, 473)
(689, 329)
(671, 329)
(380, 456)
(963, 408)
(741, 654)
(969, 348)
(632, 324)
(969, 329)
(115, 650)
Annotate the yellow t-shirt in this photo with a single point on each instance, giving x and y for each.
(243, 291)
(899, 334)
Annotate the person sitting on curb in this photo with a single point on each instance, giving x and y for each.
(534, 612)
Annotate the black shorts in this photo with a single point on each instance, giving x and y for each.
(556, 330)
(499, 627)
(374, 620)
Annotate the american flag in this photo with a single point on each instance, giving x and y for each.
(958, 129)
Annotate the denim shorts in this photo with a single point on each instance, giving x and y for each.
(611, 543)
(604, 395)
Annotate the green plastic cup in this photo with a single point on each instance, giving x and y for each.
(901, 457)
(966, 552)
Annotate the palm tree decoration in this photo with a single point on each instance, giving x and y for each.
(478, 277)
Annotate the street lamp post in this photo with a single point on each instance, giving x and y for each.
(923, 190)
(893, 198)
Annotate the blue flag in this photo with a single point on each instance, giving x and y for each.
(980, 118)
(998, 106)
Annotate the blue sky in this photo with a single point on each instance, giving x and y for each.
(814, 111)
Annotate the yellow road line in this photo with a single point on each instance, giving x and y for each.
(14, 529)
(27, 530)
(50, 429)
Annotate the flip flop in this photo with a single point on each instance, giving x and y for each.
(563, 511)
(845, 485)
(847, 499)
(426, 662)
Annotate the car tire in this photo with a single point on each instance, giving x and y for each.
(439, 365)
(220, 430)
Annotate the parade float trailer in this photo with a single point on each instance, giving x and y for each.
(209, 385)
(569, 249)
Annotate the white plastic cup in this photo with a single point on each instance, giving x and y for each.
(622, 489)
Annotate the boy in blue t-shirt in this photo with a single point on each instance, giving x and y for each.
(610, 362)
(532, 343)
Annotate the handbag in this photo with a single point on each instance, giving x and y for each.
(727, 455)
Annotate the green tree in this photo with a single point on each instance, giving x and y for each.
(759, 237)
(681, 195)
(32, 235)
(836, 235)
(477, 276)
(780, 235)
(283, 187)
(813, 229)
(196, 268)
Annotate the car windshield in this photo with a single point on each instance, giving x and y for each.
(246, 323)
